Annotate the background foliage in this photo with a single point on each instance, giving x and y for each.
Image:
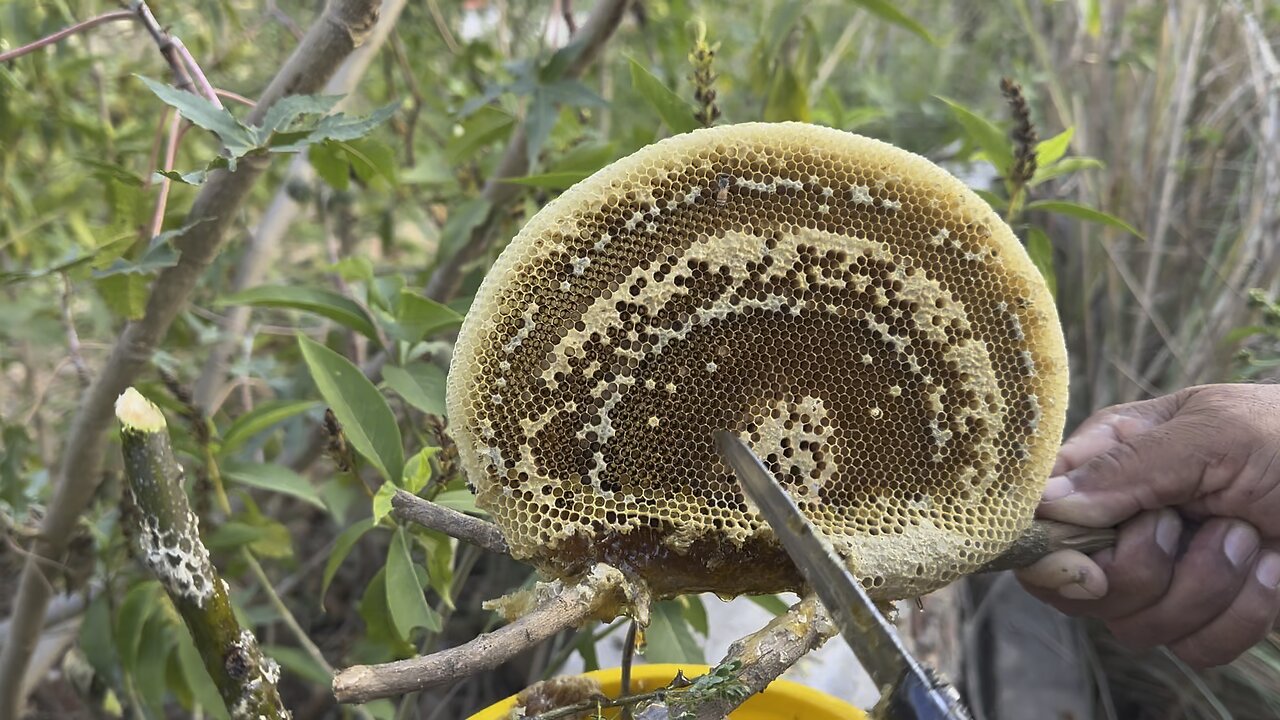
(1153, 211)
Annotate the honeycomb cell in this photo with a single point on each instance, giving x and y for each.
(866, 322)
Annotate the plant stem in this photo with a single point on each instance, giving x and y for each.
(67, 32)
(169, 543)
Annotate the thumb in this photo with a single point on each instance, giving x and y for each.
(1160, 467)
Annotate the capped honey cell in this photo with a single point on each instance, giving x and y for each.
(868, 324)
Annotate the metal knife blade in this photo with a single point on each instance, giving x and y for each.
(872, 638)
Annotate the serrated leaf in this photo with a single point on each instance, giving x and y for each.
(420, 384)
(405, 600)
(325, 303)
(366, 419)
(668, 638)
(382, 501)
(341, 548)
(236, 137)
(287, 110)
(993, 141)
(261, 418)
(1064, 166)
(1051, 150)
(276, 478)
(889, 12)
(340, 126)
(157, 257)
(540, 118)
(418, 317)
(417, 471)
(674, 111)
(1083, 212)
(1041, 252)
(460, 500)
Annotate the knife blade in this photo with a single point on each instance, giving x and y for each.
(912, 691)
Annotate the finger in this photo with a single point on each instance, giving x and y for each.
(1137, 570)
(1246, 622)
(1106, 428)
(1161, 467)
(1205, 582)
(1068, 573)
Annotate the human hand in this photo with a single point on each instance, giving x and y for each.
(1192, 483)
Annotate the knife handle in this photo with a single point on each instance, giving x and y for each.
(922, 696)
(1047, 536)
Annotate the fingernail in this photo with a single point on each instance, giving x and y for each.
(1168, 531)
(1076, 591)
(1240, 543)
(1268, 570)
(1058, 487)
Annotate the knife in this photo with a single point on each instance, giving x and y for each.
(911, 690)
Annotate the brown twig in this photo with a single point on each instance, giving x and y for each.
(67, 32)
(341, 27)
(73, 338)
(600, 594)
(482, 534)
(1047, 536)
(448, 275)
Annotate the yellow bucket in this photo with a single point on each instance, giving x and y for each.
(782, 700)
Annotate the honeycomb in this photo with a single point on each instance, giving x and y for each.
(870, 326)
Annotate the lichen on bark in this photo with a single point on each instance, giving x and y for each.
(168, 536)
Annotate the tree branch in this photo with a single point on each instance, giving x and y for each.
(265, 239)
(481, 533)
(338, 31)
(591, 38)
(557, 606)
(67, 32)
(168, 536)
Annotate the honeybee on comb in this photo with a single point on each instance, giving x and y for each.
(871, 327)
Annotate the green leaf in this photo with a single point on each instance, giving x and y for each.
(417, 317)
(330, 163)
(486, 126)
(234, 534)
(405, 599)
(236, 137)
(377, 618)
(1041, 252)
(417, 472)
(196, 676)
(346, 540)
(195, 178)
(551, 181)
(460, 500)
(125, 294)
(439, 551)
(695, 612)
(138, 606)
(888, 11)
(1064, 166)
(420, 384)
(356, 268)
(260, 418)
(674, 111)
(788, 97)
(982, 132)
(276, 478)
(996, 202)
(371, 159)
(325, 303)
(462, 221)
(95, 636)
(668, 638)
(382, 501)
(1050, 151)
(366, 418)
(1082, 212)
(153, 657)
(772, 603)
(287, 110)
(299, 662)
